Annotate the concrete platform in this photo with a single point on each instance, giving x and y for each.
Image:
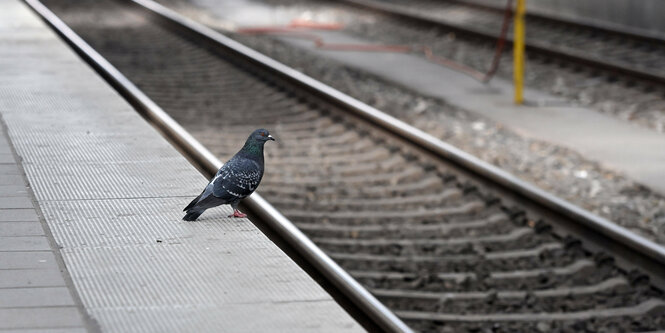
(109, 191)
(624, 147)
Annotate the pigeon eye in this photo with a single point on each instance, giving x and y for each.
(263, 134)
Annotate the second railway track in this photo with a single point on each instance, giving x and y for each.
(634, 56)
(444, 249)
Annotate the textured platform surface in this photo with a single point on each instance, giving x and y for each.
(111, 191)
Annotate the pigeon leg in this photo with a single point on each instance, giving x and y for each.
(237, 213)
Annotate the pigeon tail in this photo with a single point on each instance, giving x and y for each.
(192, 215)
(193, 203)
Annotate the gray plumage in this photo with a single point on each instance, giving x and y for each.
(235, 180)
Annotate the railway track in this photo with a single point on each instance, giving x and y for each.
(441, 243)
(635, 56)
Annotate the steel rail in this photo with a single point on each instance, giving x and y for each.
(531, 46)
(419, 138)
(379, 316)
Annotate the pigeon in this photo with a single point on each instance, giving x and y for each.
(235, 180)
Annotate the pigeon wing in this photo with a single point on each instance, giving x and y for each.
(237, 179)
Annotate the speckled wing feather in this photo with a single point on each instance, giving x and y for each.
(237, 179)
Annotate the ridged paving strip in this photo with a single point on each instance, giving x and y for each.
(404, 225)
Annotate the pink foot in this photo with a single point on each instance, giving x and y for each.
(237, 213)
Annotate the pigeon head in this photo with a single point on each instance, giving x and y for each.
(254, 144)
(260, 135)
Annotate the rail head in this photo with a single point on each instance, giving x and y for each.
(373, 311)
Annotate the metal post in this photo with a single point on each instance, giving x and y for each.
(518, 52)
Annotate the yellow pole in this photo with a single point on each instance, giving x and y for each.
(518, 52)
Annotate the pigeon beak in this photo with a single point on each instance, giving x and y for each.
(270, 137)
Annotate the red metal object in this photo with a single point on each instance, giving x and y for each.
(501, 42)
